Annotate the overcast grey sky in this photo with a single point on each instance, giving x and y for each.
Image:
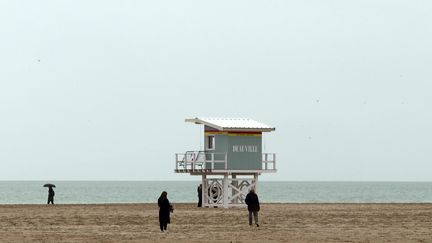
(99, 90)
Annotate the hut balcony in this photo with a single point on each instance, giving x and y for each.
(200, 162)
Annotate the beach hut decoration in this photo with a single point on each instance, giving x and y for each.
(231, 161)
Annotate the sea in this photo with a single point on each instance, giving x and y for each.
(100, 192)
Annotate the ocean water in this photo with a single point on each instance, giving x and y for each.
(83, 192)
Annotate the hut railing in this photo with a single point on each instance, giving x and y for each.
(269, 161)
(200, 160)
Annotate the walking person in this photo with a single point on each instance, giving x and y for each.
(199, 190)
(50, 195)
(164, 211)
(253, 206)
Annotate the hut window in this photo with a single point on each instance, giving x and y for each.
(210, 142)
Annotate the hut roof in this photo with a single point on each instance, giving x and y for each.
(233, 124)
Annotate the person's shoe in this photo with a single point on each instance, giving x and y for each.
(250, 224)
(257, 225)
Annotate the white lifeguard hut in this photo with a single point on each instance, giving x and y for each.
(231, 160)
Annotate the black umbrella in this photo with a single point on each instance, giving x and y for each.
(49, 185)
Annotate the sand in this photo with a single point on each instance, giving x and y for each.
(279, 223)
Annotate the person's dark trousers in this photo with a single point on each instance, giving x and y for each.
(163, 226)
(255, 214)
(50, 201)
(199, 202)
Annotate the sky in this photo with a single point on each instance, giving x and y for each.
(99, 90)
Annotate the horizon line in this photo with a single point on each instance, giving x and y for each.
(116, 180)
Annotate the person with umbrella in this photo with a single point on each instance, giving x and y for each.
(50, 193)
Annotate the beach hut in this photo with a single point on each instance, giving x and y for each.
(231, 161)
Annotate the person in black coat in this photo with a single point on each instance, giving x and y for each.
(199, 190)
(164, 211)
(50, 195)
(253, 206)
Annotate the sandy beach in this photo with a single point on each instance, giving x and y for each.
(279, 223)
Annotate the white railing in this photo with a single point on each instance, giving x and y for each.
(201, 160)
(269, 161)
(204, 160)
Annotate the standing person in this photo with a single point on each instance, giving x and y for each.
(199, 190)
(50, 195)
(253, 206)
(164, 211)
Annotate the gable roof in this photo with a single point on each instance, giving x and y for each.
(233, 124)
